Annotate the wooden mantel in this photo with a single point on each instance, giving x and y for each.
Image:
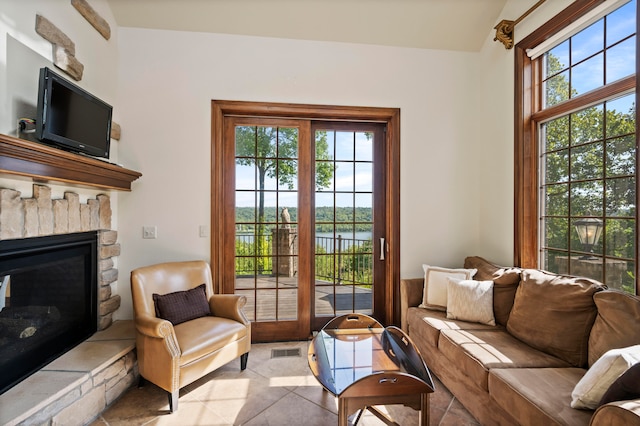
(42, 163)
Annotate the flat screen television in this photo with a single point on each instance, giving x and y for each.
(71, 118)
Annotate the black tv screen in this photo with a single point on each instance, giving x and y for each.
(72, 118)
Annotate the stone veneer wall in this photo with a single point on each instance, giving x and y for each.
(41, 216)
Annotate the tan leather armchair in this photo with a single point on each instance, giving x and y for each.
(174, 356)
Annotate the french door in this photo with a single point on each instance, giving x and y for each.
(300, 221)
(348, 219)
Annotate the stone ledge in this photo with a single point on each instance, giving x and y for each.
(79, 375)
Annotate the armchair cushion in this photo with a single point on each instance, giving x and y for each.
(181, 306)
(206, 335)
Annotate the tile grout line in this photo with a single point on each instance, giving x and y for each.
(444, 416)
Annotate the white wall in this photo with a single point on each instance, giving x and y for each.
(494, 159)
(168, 78)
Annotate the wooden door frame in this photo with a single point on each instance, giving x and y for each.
(389, 116)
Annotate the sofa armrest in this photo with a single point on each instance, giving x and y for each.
(410, 295)
(617, 413)
(229, 306)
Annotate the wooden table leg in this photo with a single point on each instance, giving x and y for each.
(343, 419)
(424, 409)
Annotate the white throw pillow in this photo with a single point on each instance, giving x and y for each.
(470, 300)
(436, 279)
(590, 389)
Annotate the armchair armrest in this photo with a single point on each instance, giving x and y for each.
(617, 413)
(229, 306)
(153, 327)
(410, 296)
(157, 332)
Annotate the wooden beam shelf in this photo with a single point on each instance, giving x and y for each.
(42, 163)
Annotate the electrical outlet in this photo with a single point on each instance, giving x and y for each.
(149, 232)
(204, 231)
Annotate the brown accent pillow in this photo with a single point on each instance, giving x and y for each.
(181, 306)
(626, 387)
(505, 283)
(616, 325)
(554, 314)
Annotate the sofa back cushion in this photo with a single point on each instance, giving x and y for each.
(505, 283)
(554, 314)
(616, 325)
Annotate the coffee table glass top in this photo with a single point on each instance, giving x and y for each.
(339, 356)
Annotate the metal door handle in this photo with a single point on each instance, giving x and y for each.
(381, 248)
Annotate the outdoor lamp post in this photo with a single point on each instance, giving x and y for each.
(589, 230)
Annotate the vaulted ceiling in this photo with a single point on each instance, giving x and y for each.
(461, 25)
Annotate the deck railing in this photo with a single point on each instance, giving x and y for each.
(340, 260)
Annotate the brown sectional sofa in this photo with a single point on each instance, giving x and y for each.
(549, 330)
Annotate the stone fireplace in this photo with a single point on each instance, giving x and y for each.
(43, 287)
(42, 216)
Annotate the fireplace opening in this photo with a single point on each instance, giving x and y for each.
(48, 300)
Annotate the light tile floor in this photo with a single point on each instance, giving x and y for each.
(271, 391)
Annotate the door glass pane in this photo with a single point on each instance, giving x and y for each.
(344, 225)
(266, 229)
(363, 177)
(344, 176)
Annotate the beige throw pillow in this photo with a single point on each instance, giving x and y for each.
(470, 300)
(436, 279)
(593, 385)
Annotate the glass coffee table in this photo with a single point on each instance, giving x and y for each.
(365, 364)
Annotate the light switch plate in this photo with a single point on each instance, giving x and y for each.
(149, 232)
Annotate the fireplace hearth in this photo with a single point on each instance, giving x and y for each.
(48, 300)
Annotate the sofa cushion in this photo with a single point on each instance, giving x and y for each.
(505, 283)
(592, 387)
(541, 395)
(435, 285)
(180, 306)
(555, 313)
(477, 351)
(625, 387)
(470, 300)
(204, 335)
(616, 325)
(425, 325)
